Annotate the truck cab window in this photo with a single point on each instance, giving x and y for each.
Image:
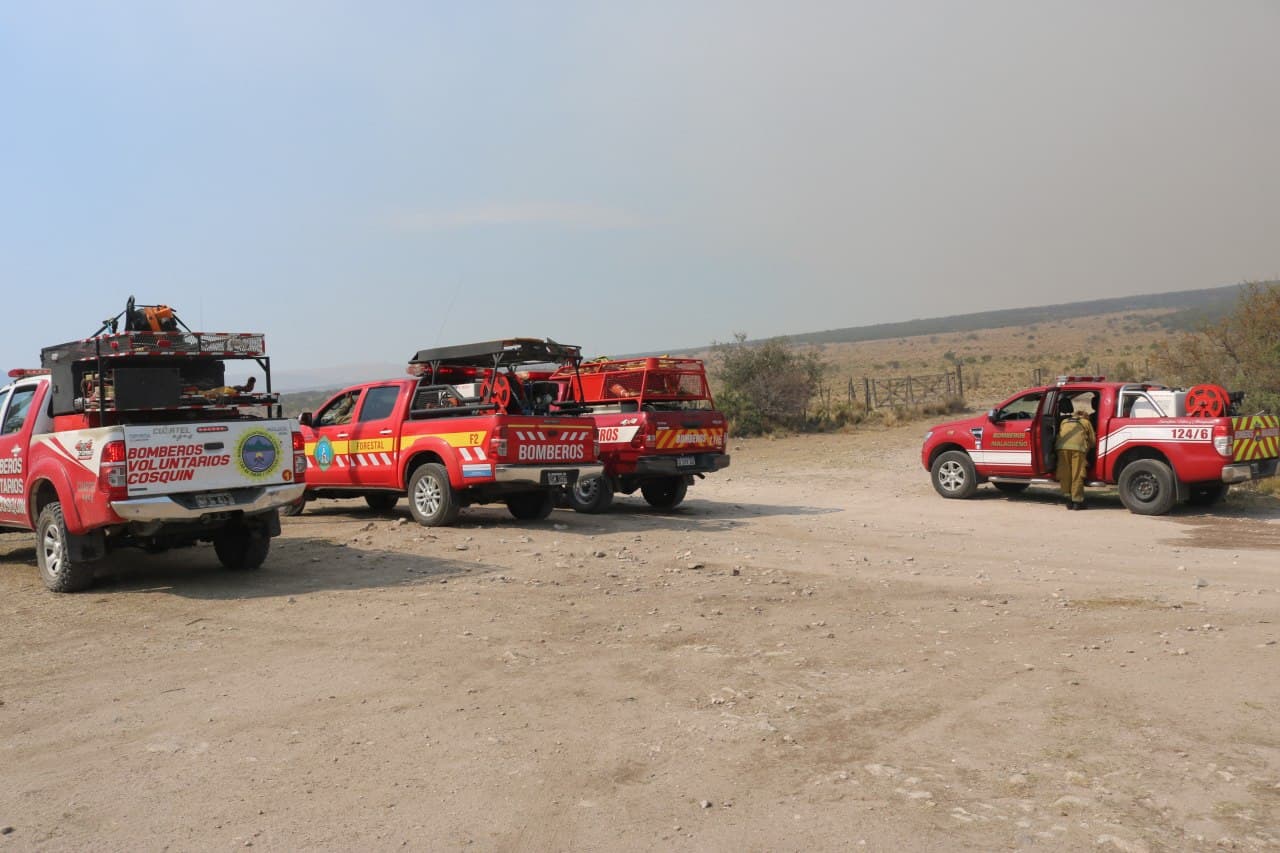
(339, 411)
(379, 403)
(1023, 408)
(19, 407)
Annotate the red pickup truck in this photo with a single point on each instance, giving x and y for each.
(659, 428)
(134, 438)
(460, 430)
(1159, 445)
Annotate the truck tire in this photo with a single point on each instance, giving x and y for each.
(53, 554)
(294, 507)
(241, 548)
(953, 474)
(664, 492)
(591, 494)
(1207, 494)
(531, 506)
(432, 500)
(1147, 487)
(382, 501)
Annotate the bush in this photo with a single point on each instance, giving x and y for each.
(766, 386)
(1240, 352)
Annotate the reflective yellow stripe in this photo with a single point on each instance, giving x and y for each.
(372, 445)
(339, 447)
(474, 438)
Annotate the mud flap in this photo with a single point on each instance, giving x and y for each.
(1181, 489)
(266, 523)
(88, 547)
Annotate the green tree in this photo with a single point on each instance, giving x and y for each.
(765, 386)
(1240, 352)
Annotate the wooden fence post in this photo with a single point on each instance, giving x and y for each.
(866, 389)
(960, 380)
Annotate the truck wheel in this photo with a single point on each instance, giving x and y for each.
(1207, 494)
(665, 492)
(591, 494)
(1147, 487)
(431, 499)
(59, 572)
(953, 474)
(531, 506)
(241, 548)
(382, 501)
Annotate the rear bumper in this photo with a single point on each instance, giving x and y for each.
(541, 475)
(1241, 472)
(182, 507)
(669, 465)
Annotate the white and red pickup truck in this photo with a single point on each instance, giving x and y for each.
(461, 430)
(134, 438)
(1159, 445)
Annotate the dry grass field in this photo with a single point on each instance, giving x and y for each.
(1000, 361)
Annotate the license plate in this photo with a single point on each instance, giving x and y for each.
(686, 461)
(557, 478)
(214, 499)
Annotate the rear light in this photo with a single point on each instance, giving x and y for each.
(498, 443)
(644, 439)
(113, 475)
(1223, 440)
(299, 457)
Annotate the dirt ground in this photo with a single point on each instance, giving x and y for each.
(813, 652)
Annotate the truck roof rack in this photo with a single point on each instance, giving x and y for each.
(119, 344)
(148, 371)
(501, 353)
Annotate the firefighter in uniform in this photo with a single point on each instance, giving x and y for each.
(1075, 439)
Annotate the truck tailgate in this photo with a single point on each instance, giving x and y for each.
(1256, 437)
(170, 458)
(550, 441)
(683, 432)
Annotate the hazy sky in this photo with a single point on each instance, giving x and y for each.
(361, 180)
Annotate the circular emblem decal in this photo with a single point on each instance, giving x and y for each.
(324, 453)
(258, 454)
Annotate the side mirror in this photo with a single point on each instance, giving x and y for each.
(991, 415)
(305, 419)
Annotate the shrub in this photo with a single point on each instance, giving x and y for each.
(1241, 352)
(766, 386)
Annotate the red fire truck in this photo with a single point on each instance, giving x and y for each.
(134, 438)
(1159, 445)
(658, 427)
(463, 429)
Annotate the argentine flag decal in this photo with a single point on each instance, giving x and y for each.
(477, 471)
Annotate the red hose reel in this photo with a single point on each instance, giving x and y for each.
(1207, 401)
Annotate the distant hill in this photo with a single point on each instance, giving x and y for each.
(1188, 309)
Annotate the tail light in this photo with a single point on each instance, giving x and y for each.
(644, 438)
(1223, 440)
(498, 443)
(299, 458)
(113, 475)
